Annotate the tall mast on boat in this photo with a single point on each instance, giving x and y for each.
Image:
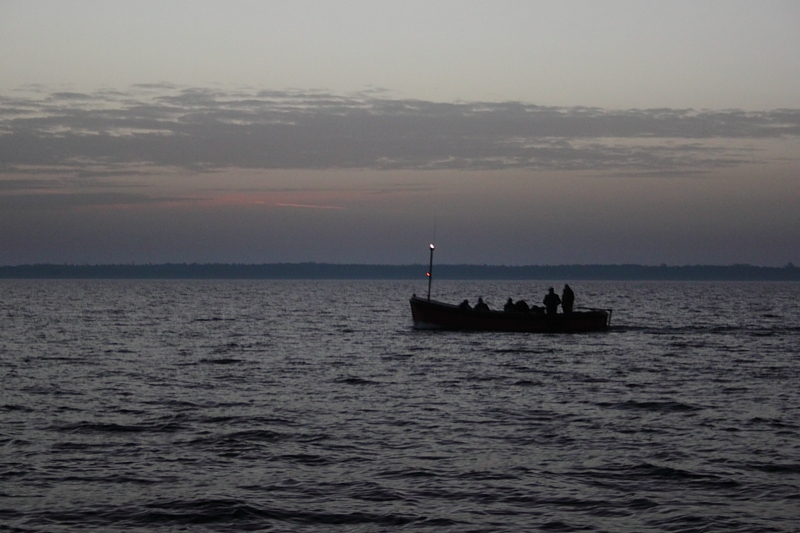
(430, 274)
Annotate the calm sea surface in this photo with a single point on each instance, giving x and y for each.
(314, 406)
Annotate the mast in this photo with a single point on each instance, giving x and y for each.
(430, 274)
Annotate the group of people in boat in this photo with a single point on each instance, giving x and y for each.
(551, 302)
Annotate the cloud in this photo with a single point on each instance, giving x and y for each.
(70, 96)
(27, 185)
(162, 125)
(21, 202)
(310, 206)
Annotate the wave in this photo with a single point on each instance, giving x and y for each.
(668, 406)
(228, 513)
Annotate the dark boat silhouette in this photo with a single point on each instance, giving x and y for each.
(430, 314)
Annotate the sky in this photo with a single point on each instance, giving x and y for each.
(507, 132)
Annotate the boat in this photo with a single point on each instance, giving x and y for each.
(431, 314)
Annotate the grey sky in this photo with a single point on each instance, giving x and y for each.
(616, 53)
(532, 132)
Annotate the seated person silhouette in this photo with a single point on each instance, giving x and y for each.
(481, 306)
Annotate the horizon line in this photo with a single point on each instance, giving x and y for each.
(788, 265)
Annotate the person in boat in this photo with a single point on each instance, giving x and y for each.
(521, 306)
(551, 302)
(567, 299)
(481, 305)
(464, 305)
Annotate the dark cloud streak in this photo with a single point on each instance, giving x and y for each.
(21, 202)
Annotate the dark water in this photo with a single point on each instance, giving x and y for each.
(314, 406)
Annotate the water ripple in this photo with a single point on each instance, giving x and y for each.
(225, 406)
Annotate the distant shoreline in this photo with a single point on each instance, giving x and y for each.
(402, 272)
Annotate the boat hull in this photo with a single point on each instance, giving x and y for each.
(430, 314)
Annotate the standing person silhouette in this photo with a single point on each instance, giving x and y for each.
(551, 302)
(567, 299)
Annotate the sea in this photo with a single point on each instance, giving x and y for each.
(314, 406)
